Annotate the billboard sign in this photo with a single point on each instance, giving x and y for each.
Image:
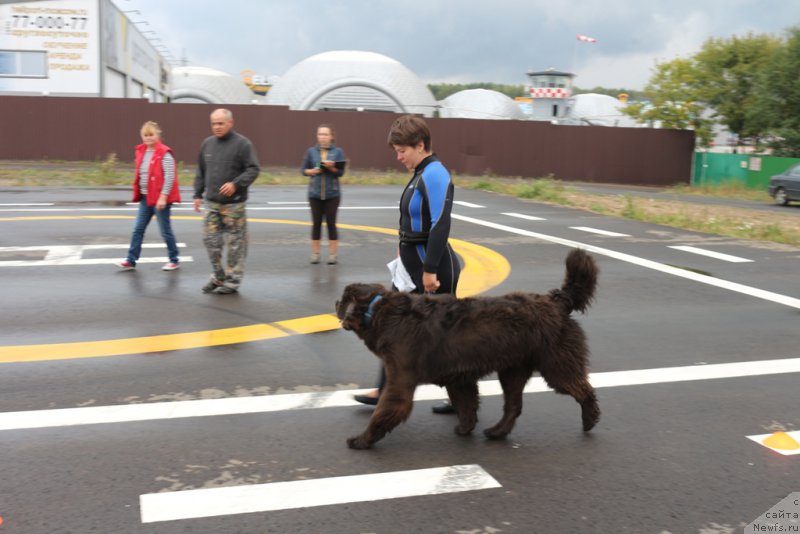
(50, 47)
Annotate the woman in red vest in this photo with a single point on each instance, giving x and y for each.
(155, 188)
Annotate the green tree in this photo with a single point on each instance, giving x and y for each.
(727, 70)
(776, 105)
(673, 100)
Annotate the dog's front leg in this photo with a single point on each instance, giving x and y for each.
(513, 383)
(464, 397)
(394, 407)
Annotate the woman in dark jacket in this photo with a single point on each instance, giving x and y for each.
(324, 163)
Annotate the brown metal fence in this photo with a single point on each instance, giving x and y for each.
(87, 129)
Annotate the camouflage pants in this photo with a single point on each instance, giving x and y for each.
(226, 227)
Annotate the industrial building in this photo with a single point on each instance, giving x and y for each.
(79, 48)
(91, 48)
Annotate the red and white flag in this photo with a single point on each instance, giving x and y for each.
(586, 39)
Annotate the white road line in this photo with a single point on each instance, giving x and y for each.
(597, 231)
(73, 255)
(27, 204)
(467, 204)
(682, 273)
(82, 247)
(181, 209)
(523, 216)
(212, 502)
(91, 261)
(68, 210)
(91, 415)
(712, 254)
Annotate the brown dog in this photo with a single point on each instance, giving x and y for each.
(438, 339)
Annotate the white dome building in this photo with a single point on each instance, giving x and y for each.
(207, 86)
(352, 80)
(480, 104)
(599, 110)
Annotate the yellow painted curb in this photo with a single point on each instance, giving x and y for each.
(483, 270)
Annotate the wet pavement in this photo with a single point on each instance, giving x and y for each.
(671, 453)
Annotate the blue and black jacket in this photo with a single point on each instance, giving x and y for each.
(425, 208)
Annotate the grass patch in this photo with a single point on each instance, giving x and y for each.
(632, 210)
(729, 189)
(545, 189)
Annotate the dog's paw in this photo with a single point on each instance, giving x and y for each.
(590, 415)
(463, 431)
(589, 423)
(491, 433)
(358, 442)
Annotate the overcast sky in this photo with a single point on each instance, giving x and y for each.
(459, 41)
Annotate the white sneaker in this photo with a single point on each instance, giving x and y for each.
(170, 266)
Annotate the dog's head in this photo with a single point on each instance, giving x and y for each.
(354, 304)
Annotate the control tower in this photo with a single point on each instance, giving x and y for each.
(551, 91)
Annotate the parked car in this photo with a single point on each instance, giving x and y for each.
(785, 187)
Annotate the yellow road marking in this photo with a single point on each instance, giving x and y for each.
(483, 270)
(139, 345)
(310, 325)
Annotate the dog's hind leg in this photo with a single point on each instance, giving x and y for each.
(464, 397)
(583, 392)
(394, 407)
(513, 382)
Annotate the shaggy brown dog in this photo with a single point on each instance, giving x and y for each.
(438, 339)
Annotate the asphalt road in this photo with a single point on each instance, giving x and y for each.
(103, 422)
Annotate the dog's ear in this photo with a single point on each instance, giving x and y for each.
(347, 308)
(350, 319)
(354, 304)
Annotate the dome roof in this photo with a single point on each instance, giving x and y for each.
(351, 79)
(480, 104)
(210, 86)
(600, 110)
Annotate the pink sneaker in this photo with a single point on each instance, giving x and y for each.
(170, 266)
(125, 265)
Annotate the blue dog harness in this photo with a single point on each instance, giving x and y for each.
(371, 309)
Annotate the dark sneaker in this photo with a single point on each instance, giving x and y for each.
(443, 408)
(366, 399)
(125, 265)
(210, 286)
(225, 290)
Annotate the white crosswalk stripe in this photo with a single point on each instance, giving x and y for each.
(711, 254)
(229, 500)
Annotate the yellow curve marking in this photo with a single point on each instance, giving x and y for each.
(483, 269)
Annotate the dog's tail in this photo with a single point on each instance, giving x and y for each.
(580, 282)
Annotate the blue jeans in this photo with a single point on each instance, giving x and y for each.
(142, 220)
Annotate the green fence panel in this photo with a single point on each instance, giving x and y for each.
(761, 168)
(753, 172)
(711, 168)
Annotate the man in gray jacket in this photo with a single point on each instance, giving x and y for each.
(227, 165)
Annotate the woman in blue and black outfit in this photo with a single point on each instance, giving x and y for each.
(425, 207)
(324, 163)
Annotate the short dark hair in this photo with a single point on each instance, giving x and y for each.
(409, 130)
